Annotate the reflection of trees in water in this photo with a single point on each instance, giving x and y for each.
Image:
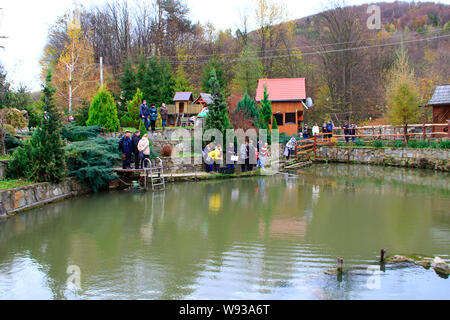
(141, 242)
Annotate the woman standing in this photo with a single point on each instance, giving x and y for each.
(153, 117)
(315, 129)
(144, 149)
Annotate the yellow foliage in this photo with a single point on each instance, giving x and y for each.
(77, 71)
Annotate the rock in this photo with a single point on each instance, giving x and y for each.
(424, 263)
(399, 259)
(440, 266)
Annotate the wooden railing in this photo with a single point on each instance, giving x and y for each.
(321, 139)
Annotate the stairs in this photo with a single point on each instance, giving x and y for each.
(154, 173)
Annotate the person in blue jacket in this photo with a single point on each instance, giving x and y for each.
(126, 147)
(144, 113)
(330, 127)
(153, 117)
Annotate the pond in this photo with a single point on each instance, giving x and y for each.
(253, 238)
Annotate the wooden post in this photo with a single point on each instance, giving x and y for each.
(315, 144)
(448, 129)
(424, 132)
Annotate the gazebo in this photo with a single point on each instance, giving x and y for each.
(440, 102)
(205, 99)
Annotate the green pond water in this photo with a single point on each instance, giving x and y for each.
(254, 238)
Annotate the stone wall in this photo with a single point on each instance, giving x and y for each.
(27, 197)
(436, 159)
(3, 166)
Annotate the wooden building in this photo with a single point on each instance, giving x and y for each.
(204, 100)
(440, 102)
(288, 97)
(182, 102)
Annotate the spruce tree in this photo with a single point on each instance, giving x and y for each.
(248, 106)
(133, 109)
(103, 111)
(274, 124)
(127, 85)
(42, 159)
(218, 110)
(265, 111)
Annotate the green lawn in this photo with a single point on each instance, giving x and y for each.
(13, 183)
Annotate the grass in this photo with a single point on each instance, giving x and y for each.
(13, 183)
(5, 157)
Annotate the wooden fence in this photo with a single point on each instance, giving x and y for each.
(310, 145)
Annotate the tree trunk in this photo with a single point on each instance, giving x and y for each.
(2, 141)
(406, 133)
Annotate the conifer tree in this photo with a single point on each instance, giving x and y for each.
(42, 158)
(218, 110)
(127, 83)
(248, 106)
(103, 111)
(133, 109)
(217, 66)
(265, 111)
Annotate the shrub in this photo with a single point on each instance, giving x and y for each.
(433, 144)
(413, 144)
(444, 144)
(12, 142)
(422, 144)
(73, 132)
(399, 144)
(166, 151)
(103, 111)
(82, 116)
(92, 161)
(378, 143)
(142, 128)
(359, 143)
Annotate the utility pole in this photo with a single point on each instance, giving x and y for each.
(101, 72)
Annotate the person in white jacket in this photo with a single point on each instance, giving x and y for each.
(144, 148)
(315, 129)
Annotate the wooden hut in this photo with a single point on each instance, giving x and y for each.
(205, 99)
(440, 102)
(182, 101)
(288, 98)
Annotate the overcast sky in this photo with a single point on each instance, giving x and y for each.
(26, 23)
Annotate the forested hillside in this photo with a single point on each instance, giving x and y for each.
(155, 47)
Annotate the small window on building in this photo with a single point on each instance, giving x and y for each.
(290, 118)
(279, 117)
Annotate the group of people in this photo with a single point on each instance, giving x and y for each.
(327, 130)
(134, 146)
(149, 115)
(249, 155)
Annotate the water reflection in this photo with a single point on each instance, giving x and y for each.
(268, 238)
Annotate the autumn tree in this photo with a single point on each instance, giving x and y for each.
(402, 93)
(247, 70)
(75, 75)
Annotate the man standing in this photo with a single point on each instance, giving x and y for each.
(135, 139)
(164, 115)
(144, 113)
(346, 128)
(330, 127)
(305, 131)
(153, 117)
(126, 147)
(353, 131)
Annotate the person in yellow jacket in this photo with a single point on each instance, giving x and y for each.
(216, 155)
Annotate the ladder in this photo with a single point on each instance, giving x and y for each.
(156, 174)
